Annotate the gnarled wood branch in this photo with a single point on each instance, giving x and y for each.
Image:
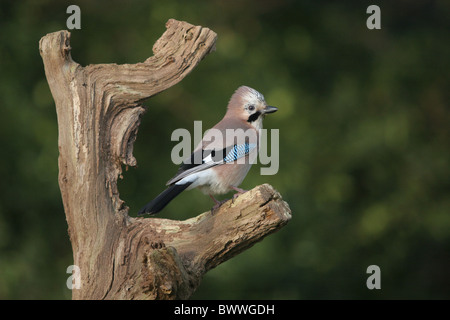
(99, 110)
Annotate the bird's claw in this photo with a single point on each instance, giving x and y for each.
(239, 191)
(218, 205)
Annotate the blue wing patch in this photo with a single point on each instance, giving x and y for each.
(239, 151)
(211, 158)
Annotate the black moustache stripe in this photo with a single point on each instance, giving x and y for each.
(254, 117)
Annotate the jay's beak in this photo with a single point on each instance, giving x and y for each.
(270, 109)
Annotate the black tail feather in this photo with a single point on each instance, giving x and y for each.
(163, 199)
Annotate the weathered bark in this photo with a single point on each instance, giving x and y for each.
(99, 110)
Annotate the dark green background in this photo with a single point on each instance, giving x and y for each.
(364, 140)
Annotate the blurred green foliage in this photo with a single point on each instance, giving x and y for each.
(364, 125)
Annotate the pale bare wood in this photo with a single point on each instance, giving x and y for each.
(99, 110)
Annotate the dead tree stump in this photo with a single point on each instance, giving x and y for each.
(99, 109)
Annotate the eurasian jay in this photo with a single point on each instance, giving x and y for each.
(223, 158)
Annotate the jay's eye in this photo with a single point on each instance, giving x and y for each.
(251, 107)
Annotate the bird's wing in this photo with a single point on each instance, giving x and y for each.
(203, 159)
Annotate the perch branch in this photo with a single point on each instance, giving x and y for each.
(99, 109)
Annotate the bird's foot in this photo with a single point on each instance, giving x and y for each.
(218, 204)
(239, 191)
(236, 195)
